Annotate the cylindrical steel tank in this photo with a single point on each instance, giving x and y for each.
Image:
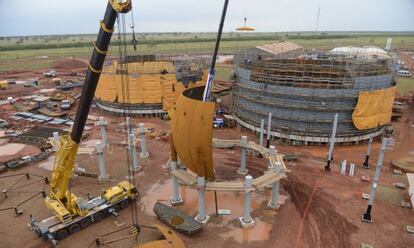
(304, 95)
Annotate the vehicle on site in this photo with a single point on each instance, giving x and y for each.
(72, 213)
(50, 74)
(65, 104)
(404, 73)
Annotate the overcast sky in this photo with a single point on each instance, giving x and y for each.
(37, 17)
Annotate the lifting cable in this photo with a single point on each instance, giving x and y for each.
(123, 71)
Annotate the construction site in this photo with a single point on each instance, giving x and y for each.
(292, 147)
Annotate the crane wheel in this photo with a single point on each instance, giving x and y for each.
(124, 204)
(98, 217)
(61, 234)
(85, 223)
(74, 228)
(116, 208)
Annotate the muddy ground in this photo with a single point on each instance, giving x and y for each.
(319, 209)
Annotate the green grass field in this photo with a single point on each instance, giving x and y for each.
(36, 52)
(405, 85)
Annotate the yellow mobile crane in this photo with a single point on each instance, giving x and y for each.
(72, 213)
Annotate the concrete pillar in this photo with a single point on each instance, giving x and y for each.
(243, 146)
(129, 126)
(176, 198)
(56, 136)
(144, 152)
(103, 176)
(55, 141)
(351, 169)
(261, 132)
(365, 165)
(246, 220)
(133, 153)
(269, 129)
(272, 153)
(274, 203)
(366, 217)
(202, 216)
(102, 124)
(343, 168)
(332, 144)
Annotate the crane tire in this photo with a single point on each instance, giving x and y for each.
(61, 234)
(85, 223)
(74, 228)
(124, 204)
(98, 217)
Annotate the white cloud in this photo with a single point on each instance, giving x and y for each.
(28, 17)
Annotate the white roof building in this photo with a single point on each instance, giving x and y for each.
(365, 53)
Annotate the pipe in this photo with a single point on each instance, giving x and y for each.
(332, 144)
(103, 176)
(366, 217)
(133, 150)
(247, 199)
(176, 198)
(144, 151)
(274, 202)
(269, 129)
(202, 215)
(261, 132)
(243, 154)
(366, 162)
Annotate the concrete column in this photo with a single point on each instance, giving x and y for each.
(332, 144)
(352, 169)
(272, 153)
(56, 136)
(102, 124)
(144, 152)
(55, 141)
(243, 146)
(274, 203)
(365, 165)
(269, 129)
(366, 217)
(129, 126)
(133, 153)
(343, 168)
(246, 220)
(262, 122)
(202, 216)
(176, 198)
(103, 176)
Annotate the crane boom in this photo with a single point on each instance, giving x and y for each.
(60, 200)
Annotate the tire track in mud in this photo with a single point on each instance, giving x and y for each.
(322, 225)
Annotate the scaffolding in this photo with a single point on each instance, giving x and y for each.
(303, 95)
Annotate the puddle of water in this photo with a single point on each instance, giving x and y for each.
(260, 232)
(226, 200)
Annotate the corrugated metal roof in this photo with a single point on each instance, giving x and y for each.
(278, 48)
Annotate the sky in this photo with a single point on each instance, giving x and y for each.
(43, 17)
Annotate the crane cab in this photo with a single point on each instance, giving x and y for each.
(119, 192)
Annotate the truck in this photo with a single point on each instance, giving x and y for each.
(70, 212)
(65, 104)
(110, 201)
(50, 74)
